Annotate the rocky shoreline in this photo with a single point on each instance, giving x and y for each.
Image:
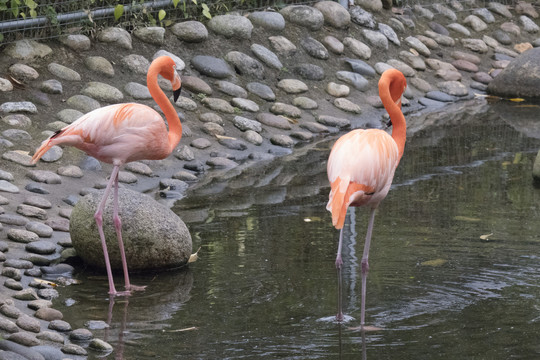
(254, 88)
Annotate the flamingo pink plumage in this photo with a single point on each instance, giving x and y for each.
(361, 167)
(121, 133)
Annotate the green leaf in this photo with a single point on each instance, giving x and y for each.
(206, 11)
(31, 4)
(161, 15)
(15, 7)
(175, 3)
(118, 11)
(33, 13)
(1, 37)
(194, 1)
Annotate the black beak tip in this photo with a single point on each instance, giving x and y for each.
(176, 94)
(388, 124)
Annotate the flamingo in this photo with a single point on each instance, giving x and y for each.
(120, 133)
(360, 169)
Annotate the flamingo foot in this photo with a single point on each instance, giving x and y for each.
(128, 292)
(119, 293)
(132, 287)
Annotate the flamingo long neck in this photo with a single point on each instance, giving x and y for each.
(399, 126)
(175, 127)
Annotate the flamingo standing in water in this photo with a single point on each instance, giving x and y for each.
(121, 133)
(360, 169)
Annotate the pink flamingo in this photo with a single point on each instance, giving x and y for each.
(121, 133)
(360, 169)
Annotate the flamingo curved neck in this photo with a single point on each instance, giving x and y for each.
(399, 126)
(175, 127)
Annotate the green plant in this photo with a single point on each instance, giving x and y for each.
(17, 8)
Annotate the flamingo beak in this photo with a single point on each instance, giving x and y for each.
(176, 85)
(176, 93)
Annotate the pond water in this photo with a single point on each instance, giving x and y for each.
(454, 263)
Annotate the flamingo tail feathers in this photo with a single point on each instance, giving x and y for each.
(337, 204)
(343, 194)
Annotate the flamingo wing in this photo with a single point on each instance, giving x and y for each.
(113, 134)
(360, 169)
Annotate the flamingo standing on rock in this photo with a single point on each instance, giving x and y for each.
(120, 133)
(360, 169)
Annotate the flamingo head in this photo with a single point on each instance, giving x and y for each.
(167, 69)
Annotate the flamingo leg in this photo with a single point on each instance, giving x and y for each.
(98, 216)
(118, 228)
(365, 266)
(339, 265)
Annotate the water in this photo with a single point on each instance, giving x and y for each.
(454, 263)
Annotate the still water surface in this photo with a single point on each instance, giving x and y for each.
(454, 264)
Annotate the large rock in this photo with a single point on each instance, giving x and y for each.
(334, 14)
(245, 64)
(268, 20)
(231, 26)
(211, 66)
(303, 15)
(27, 50)
(521, 78)
(190, 31)
(154, 236)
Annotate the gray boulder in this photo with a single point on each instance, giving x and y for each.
(190, 31)
(245, 64)
(303, 15)
(231, 26)
(334, 14)
(27, 50)
(268, 20)
(154, 237)
(521, 78)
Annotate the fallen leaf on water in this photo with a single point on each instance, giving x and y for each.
(486, 236)
(292, 121)
(516, 99)
(225, 137)
(517, 158)
(45, 282)
(466, 218)
(194, 257)
(182, 330)
(434, 263)
(527, 106)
